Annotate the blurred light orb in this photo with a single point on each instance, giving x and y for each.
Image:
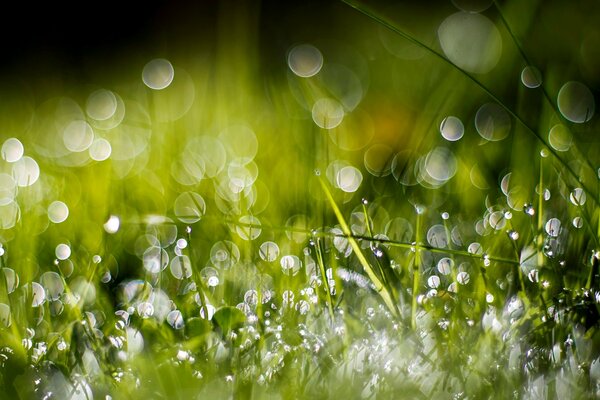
(440, 165)
(378, 159)
(100, 150)
(26, 171)
(101, 105)
(112, 225)
(12, 150)
(78, 136)
(492, 122)
(560, 138)
(249, 228)
(576, 102)
(62, 251)
(349, 179)
(58, 212)
(531, 77)
(327, 113)
(10, 213)
(158, 74)
(305, 60)
(189, 207)
(471, 41)
(452, 129)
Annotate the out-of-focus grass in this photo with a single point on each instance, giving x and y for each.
(294, 214)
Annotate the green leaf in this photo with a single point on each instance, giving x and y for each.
(229, 318)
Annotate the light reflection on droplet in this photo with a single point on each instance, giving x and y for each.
(492, 122)
(348, 179)
(305, 60)
(553, 227)
(560, 138)
(269, 251)
(576, 102)
(471, 41)
(58, 212)
(531, 77)
(578, 197)
(78, 136)
(62, 251)
(12, 150)
(158, 74)
(101, 105)
(100, 150)
(327, 113)
(452, 128)
(26, 171)
(112, 224)
(189, 207)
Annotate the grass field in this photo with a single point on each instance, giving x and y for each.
(354, 199)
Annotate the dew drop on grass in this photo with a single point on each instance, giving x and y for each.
(303, 307)
(52, 284)
(531, 77)
(101, 105)
(189, 207)
(528, 209)
(158, 74)
(78, 136)
(155, 259)
(290, 264)
(58, 212)
(445, 215)
(463, 277)
(210, 311)
(560, 138)
(100, 150)
(181, 267)
(269, 251)
(578, 222)
(62, 251)
(12, 279)
(578, 197)
(513, 235)
(452, 129)
(433, 281)
(348, 179)
(497, 220)
(445, 265)
(5, 318)
(471, 41)
(305, 60)
(12, 150)
(576, 102)
(224, 254)
(38, 294)
(327, 113)
(436, 236)
(112, 224)
(553, 227)
(175, 319)
(475, 248)
(210, 276)
(249, 227)
(25, 171)
(492, 122)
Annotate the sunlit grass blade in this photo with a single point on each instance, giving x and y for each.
(384, 292)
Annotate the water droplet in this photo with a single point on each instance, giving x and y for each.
(290, 264)
(578, 222)
(528, 209)
(249, 228)
(12, 150)
(38, 294)
(463, 277)
(158, 74)
(531, 77)
(560, 138)
(62, 251)
(484, 42)
(155, 259)
(445, 265)
(578, 197)
(189, 207)
(269, 251)
(181, 267)
(327, 113)
(452, 129)
(25, 171)
(492, 122)
(112, 225)
(445, 215)
(433, 281)
(553, 227)
(514, 235)
(305, 60)
(576, 102)
(175, 319)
